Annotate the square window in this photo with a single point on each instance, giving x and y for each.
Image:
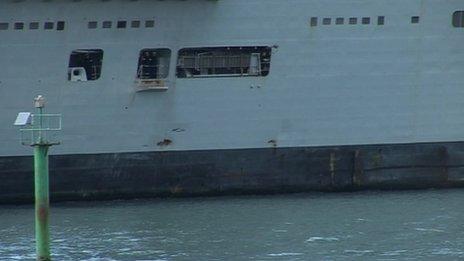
(60, 25)
(3, 26)
(340, 20)
(353, 20)
(313, 21)
(107, 24)
(415, 19)
(34, 25)
(85, 65)
(366, 20)
(220, 61)
(153, 63)
(381, 20)
(326, 21)
(150, 23)
(135, 24)
(92, 25)
(121, 24)
(18, 26)
(48, 25)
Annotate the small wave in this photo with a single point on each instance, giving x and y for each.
(354, 251)
(447, 252)
(428, 229)
(17, 257)
(442, 217)
(286, 254)
(394, 252)
(326, 239)
(118, 233)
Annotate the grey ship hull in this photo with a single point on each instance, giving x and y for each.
(344, 106)
(238, 172)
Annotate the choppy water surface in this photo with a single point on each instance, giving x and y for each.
(413, 225)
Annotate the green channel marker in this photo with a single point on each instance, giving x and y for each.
(42, 203)
(36, 133)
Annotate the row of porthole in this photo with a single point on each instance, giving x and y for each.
(33, 25)
(353, 20)
(121, 24)
(151, 23)
(60, 25)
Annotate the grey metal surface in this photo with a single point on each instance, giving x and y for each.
(329, 84)
(241, 171)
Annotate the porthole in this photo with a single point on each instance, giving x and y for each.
(19, 26)
(135, 24)
(121, 24)
(313, 21)
(92, 25)
(326, 21)
(381, 20)
(149, 23)
(458, 19)
(4, 26)
(60, 26)
(48, 25)
(33, 25)
(107, 24)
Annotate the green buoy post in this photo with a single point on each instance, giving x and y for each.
(38, 128)
(42, 202)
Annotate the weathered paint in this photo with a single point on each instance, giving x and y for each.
(250, 171)
(42, 205)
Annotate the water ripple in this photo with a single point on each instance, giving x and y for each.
(326, 239)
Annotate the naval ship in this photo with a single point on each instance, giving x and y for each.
(203, 97)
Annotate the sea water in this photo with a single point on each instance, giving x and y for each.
(405, 225)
